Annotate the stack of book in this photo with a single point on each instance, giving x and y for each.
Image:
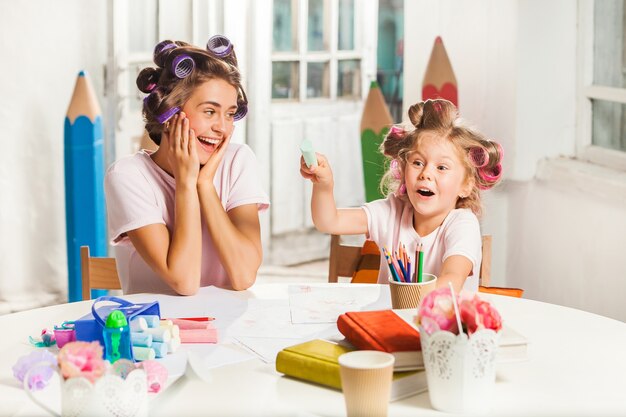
(392, 331)
(317, 361)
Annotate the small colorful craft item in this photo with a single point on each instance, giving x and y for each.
(44, 363)
(46, 339)
(64, 333)
(156, 374)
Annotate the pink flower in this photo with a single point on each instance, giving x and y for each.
(437, 313)
(82, 359)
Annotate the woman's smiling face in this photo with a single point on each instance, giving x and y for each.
(210, 110)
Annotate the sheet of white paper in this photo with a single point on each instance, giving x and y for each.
(315, 304)
(270, 319)
(267, 348)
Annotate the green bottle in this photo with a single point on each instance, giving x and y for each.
(116, 334)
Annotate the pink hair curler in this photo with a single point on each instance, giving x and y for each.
(394, 168)
(479, 156)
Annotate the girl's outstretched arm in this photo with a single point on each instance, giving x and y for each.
(455, 269)
(326, 217)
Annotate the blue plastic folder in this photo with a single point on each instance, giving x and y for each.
(89, 327)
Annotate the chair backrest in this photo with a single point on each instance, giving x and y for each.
(97, 273)
(345, 260)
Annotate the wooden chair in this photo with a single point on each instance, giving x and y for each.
(345, 260)
(97, 273)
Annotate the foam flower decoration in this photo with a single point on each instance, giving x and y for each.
(82, 359)
(478, 314)
(437, 313)
(42, 363)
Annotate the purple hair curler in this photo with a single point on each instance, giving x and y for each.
(163, 46)
(219, 45)
(183, 65)
(241, 112)
(165, 116)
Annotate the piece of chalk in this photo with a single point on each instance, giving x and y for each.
(143, 353)
(306, 147)
(138, 324)
(152, 320)
(198, 336)
(141, 339)
(173, 344)
(160, 349)
(159, 334)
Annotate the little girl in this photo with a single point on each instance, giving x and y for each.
(187, 215)
(435, 176)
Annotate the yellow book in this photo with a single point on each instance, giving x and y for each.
(317, 361)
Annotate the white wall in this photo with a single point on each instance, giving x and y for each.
(515, 63)
(44, 45)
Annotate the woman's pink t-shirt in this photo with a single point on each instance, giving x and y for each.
(390, 221)
(140, 193)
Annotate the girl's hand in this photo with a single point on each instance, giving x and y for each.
(320, 174)
(207, 172)
(182, 154)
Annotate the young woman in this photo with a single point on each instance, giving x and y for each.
(186, 215)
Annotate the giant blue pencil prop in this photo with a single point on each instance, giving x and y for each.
(84, 176)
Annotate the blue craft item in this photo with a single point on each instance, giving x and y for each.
(84, 182)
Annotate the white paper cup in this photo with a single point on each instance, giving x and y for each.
(410, 294)
(366, 382)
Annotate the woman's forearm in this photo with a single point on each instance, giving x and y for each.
(184, 257)
(237, 239)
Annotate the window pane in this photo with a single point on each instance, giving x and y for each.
(142, 26)
(285, 80)
(315, 27)
(346, 25)
(609, 43)
(609, 124)
(283, 30)
(317, 84)
(349, 78)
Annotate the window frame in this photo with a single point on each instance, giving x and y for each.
(588, 91)
(332, 56)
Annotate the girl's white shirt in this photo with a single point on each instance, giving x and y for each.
(390, 222)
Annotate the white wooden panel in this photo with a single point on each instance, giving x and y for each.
(349, 187)
(175, 20)
(287, 186)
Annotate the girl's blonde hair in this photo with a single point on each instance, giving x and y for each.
(481, 157)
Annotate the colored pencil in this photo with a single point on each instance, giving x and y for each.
(420, 262)
(84, 182)
(375, 122)
(439, 80)
(394, 273)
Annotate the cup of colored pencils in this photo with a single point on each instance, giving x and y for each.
(407, 289)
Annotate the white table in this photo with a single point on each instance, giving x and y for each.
(576, 366)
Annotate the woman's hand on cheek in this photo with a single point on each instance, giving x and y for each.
(207, 172)
(183, 156)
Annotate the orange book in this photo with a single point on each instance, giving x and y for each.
(386, 331)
